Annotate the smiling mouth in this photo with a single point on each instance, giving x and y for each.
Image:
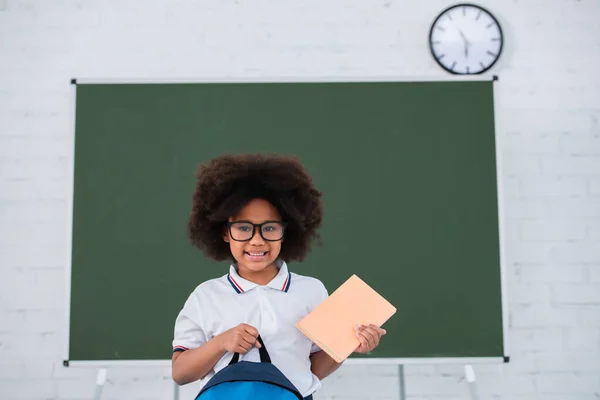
(256, 254)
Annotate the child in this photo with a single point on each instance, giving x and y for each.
(260, 211)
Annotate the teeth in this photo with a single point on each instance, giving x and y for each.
(257, 254)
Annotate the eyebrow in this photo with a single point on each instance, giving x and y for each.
(257, 223)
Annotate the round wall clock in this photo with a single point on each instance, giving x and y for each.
(466, 39)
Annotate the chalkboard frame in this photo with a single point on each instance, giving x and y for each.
(284, 79)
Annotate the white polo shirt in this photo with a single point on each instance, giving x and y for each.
(223, 303)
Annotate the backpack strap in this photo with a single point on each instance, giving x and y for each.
(264, 354)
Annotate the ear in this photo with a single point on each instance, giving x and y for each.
(225, 235)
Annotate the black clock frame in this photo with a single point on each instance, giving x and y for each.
(458, 6)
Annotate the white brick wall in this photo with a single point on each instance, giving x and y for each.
(548, 118)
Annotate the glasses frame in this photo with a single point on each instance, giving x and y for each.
(254, 226)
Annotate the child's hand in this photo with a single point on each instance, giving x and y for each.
(369, 337)
(239, 339)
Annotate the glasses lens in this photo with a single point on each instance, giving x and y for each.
(272, 231)
(241, 230)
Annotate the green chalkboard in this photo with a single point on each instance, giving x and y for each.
(408, 175)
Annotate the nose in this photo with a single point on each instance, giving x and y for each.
(256, 238)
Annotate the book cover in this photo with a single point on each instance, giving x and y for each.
(331, 324)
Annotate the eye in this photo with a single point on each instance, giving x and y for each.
(242, 227)
(273, 227)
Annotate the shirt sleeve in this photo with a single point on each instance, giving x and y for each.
(322, 294)
(188, 330)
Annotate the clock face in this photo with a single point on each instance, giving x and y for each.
(466, 39)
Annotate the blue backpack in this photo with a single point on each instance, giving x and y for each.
(242, 380)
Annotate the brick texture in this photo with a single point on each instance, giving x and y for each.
(548, 113)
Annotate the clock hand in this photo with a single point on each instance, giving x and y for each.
(467, 44)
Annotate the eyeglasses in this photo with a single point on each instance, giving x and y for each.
(242, 231)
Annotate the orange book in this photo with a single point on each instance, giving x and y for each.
(331, 324)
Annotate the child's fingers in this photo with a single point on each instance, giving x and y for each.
(370, 335)
(380, 331)
(374, 331)
(365, 338)
(250, 340)
(250, 335)
(364, 343)
(250, 329)
(243, 348)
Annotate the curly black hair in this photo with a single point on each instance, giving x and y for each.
(227, 183)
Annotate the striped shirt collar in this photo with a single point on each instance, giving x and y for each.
(281, 281)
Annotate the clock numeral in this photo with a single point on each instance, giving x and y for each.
(464, 10)
(492, 54)
(449, 17)
(440, 28)
(482, 66)
(496, 39)
(490, 25)
(441, 56)
(478, 15)
(453, 65)
(436, 42)
(468, 71)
